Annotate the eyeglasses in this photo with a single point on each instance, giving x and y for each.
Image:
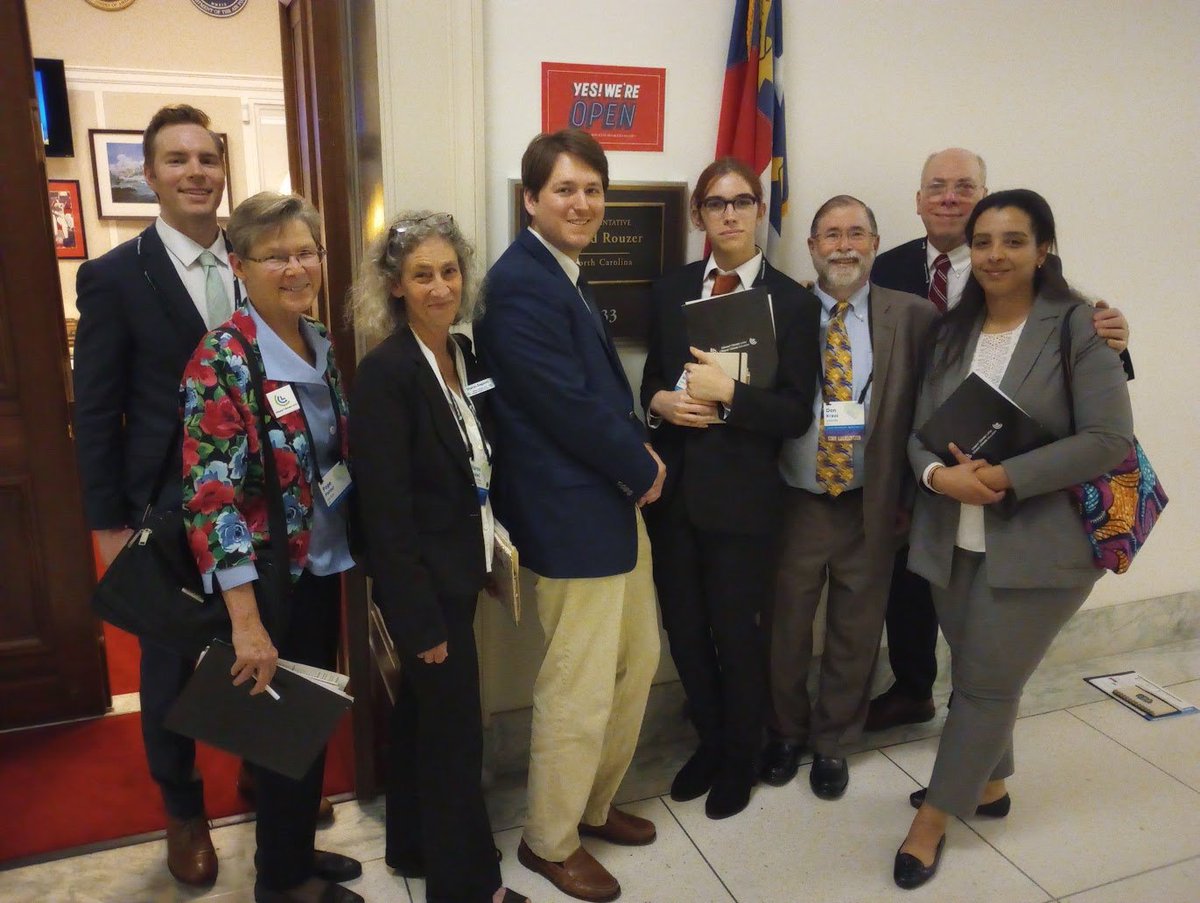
(716, 205)
(856, 236)
(964, 188)
(396, 233)
(277, 263)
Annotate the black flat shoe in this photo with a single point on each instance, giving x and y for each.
(335, 867)
(829, 776)
(995, 809)
(780, 762)
(696, 776)
(910, 872)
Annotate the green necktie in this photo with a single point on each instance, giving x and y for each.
(216, 299)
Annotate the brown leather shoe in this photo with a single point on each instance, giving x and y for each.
(622, 828)
(893, 709)
(247, 791)
(579, 875)
(190, 854)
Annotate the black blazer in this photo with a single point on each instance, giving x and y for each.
(729, 473)
(417, 504)
(904, 268)
(137, 329)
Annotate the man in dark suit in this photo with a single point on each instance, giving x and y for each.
(848, 478)
(143, 308)
(936, 266)
(572, 469)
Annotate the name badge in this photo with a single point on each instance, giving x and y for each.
(335, 484)
(844, 421)
(482, 474)
(482, 386)
(681, 383)
(283, 401)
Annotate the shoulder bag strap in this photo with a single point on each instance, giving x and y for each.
(1065, 358)
(275, 517)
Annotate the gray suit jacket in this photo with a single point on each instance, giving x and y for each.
(1039, 542)
(899, 325)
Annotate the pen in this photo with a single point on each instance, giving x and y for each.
(273, 694)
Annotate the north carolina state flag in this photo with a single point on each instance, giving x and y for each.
(751, 125)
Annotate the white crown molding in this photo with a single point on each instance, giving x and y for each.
(157, 81)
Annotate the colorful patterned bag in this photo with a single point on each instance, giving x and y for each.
(1119, 508)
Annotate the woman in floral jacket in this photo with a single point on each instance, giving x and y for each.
(277, 255)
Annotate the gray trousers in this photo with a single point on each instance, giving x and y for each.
(997, 639)
(824, 544)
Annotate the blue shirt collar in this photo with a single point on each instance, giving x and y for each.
(283, 364)
(858, 301)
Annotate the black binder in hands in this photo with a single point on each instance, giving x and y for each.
(740, 328)
(284, 735)
(984, 423)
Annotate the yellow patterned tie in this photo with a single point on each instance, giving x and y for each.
(835, 461)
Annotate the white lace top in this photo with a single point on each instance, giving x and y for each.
(992, 354)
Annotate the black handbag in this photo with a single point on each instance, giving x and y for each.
(153, 589)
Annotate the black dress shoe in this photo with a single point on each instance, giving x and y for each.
(910, 872)
(829, 776)
(780, 762)
(892, 709)
(995, 809)
(696, 775)
(730, 792)
(335, 867)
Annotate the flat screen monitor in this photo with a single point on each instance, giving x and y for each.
(51, 85)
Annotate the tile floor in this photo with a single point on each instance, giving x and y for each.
(1106, 809)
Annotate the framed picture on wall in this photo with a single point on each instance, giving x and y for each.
(121, 189)
(66, 219)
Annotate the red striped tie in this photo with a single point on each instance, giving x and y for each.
(725, 283)
(937, 285)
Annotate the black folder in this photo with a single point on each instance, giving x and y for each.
(984, 423)
(741, 327)
(284, 735)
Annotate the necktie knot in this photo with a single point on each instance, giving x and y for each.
(725, 283)
(208, 259)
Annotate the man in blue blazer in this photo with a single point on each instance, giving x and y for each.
(572, 468)
(952, 182)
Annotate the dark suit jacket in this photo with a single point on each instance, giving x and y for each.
(570, 456)
(417, 503)
(137, 329)
(903, 268)
(729, 474)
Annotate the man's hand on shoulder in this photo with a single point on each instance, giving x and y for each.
(1111, 326)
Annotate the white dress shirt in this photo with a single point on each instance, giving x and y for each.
(185, 256)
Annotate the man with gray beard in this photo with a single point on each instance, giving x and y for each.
(850, 489)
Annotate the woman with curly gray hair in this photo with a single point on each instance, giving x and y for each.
(422, 461)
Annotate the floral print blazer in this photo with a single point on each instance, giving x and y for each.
(224, 507)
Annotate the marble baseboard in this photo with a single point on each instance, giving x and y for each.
(1093, 633)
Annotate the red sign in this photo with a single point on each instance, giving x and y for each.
(621, 106)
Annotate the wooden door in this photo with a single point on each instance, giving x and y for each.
(51, 659)
(317, 92)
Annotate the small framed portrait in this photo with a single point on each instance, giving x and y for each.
(121, 188)
(66, 220)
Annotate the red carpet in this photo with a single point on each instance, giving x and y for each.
(73, 784)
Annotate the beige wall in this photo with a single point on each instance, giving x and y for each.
(158, 34)
(120, 70)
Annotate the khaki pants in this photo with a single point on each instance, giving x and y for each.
(589, 698)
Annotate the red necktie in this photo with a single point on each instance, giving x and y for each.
(937, 285)
(725, 283)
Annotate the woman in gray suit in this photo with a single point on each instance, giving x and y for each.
(1002, 544)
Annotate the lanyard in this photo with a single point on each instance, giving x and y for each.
(462, 424)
